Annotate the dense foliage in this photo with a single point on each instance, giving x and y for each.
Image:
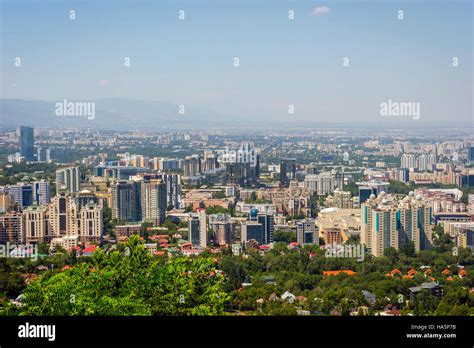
(127, 280)
(299, 271)
(131, 284)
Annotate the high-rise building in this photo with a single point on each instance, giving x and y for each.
(85, 197)
(342, 199)
(27, 142)
(260, 227)
(252, 230)
(470, 154)
(210, 161)
(126, 202)
(62, 215)
(237, 174)
(466, 180)
(41, 192)
(139, 161)
(368, 188)
(68, 179)
(155, 163)
(22, 194)
(432, 161)
(170, 164)
(192, 165)
(222, 229)
(90, 223)
(422, 162)
(197, 229)
(415, 222)
(5, 200)
(268, 225)
(426, 162)
(403, 175)
(173, 188)
(387, 222)
(287, 171)
(194, 232)
(36, 224)
(324, 183)
(307, 232)
(153, 200)
(11, 228)
(43, 155)
(118, 172)
(165, 164)
(408, 161)
(461, 232)
(242, 166)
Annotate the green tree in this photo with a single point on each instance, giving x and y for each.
(408, 249)
(391, 253)
(284, 236)
(130, 283)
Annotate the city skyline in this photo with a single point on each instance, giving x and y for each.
(166, 160)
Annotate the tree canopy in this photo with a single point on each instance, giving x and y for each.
(130, 284)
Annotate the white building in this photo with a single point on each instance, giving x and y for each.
(68, 179)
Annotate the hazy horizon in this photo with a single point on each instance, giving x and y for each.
(283, 62)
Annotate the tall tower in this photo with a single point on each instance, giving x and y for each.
(387, 222)
(126, 203)
(68, 179)
(197, 229)
(27, 142)
(153, 201)
(287, 171)
(62, 216)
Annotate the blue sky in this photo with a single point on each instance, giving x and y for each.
(282, 61)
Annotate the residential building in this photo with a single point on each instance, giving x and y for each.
(36, 224)
(90, 223)
(126, 202)
(192, 165)
(62, 215)
(222, 229)
(5, 200)
(173, 188)
(68, 179)
(11, 228)
(197, 229)
(153, 200)
(408, 161)
(388, 222)
(324, 183)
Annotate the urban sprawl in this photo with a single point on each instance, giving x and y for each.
(304, 222)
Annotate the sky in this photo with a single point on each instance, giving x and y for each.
(283, 61)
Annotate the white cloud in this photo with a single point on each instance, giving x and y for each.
(320, 10)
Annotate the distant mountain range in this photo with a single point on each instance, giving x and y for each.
(110, 113)
(130, 114)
